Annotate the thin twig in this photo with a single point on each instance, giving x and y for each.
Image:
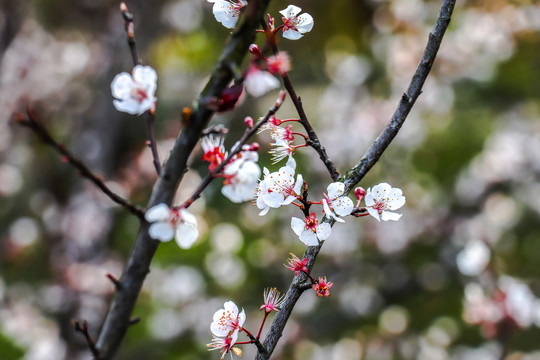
(237, 148)
(149, 115)
(353, 176)
(313, 141)
(33, 122)
(83, 329)
(117, 320)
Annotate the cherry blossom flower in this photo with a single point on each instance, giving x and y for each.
(224, 345)
(294, 26)
(134, 92)
(309, 230)
(295, 264)
(258, 82)
(241, 177)
(167, 223)
(322, 288)
(279, 188)
(281, 149)
(382, 198)
(273, 300)
(336, 202)
(279, 63)
(227, 322)
(227, 12)
(214, 151)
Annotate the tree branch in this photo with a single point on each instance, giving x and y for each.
(353, 176)
(137, 267)
(33, 122)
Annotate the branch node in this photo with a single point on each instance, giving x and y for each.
(115, 281)
(134, 321)
(83, 329)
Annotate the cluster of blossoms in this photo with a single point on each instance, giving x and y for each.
(321, 286)
(228, 322)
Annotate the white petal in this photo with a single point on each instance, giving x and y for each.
(224, 14)
(128, 106)
(290, 11)
(121, 86)
(146, 77)
(241, 318)
(370, 201)
(298, 185)
(162, 231)
(326, 208)
(274, 199)
(264, 211)
(305, 23)
(309, 238)
(186, 235)
(292, 34)
(188, 218)
(291, 162)
(230, 193)
(159, 212)
(343, 206)
(324, 231)
(298, 225)
(373, 213)
(381, 191)
(335, 190)
(288, 200)
(387, 215)
(231, 306)
(260, 82)
(395, 203)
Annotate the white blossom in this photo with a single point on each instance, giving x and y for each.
(169, 223)
(258, 82)
(294, 27)
(337, 202)
(134, 93)
(309, 230)
(382, 198)
(227, 322)
(227, 12)
(241, 177)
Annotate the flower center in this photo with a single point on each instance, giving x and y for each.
(138, 94)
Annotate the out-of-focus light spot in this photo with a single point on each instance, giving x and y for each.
(261, 253)
(180, 285)
(183, 15)
(308, 303)
(11, 180)
(472, 260)
(347, 349)
(227, 270)
(443, 331)
(394, 320)
(75, 57)
(501, 210)
(54, 298)
(251, 219)
(91, 278)
(226, 238)
(24, 232)
(360, 300)
(166, 324)
(432, 276)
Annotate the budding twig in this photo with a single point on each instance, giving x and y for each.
(149, 115)
(33, 122)
(83, 329)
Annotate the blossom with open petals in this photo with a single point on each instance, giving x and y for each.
(336, 202)
(294, 26)
(280, 150)
(322, 287)
(279, 188)
(382, 198)
(272, 300)
(134, 92)
(309, 230)
(167, 223)
(241, 177)
(227, 12)
(295, 264)
(228, 321)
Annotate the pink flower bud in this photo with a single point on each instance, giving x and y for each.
(254, 49)
(359, 192)
(254, 147)
(123, 7)
(248, 121)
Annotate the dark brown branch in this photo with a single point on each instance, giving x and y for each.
(83, 329)
(32, 121)
(237, 148)
(297, 101)
(353, 176)
(117, 320)
(149, 115)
